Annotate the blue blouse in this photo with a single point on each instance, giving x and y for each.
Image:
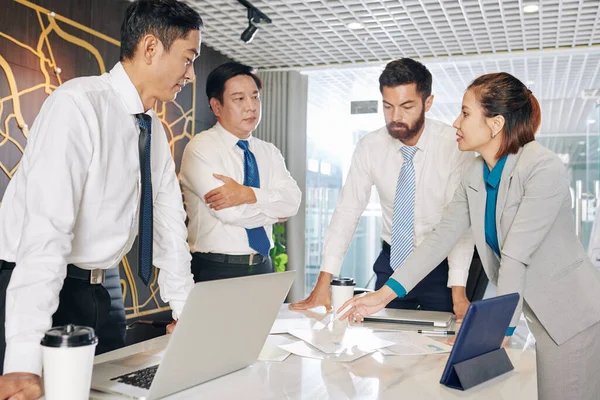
(492, 183)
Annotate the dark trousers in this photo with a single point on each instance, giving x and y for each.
(205, 270)
(81, 303)
(431, 294)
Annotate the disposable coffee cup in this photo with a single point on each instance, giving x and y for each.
(342, 290)
(68, 359)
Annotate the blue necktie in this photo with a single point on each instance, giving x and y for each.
(145, 222)
(404, 210)
(257, 237)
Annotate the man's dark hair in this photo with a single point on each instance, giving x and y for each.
(405, 71)
(168, 20)
(215, 83)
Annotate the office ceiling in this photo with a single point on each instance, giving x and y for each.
(308, 33)
(558, 79)
(555, 51)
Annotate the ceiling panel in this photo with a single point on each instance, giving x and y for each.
(558, 81)
(315, 32)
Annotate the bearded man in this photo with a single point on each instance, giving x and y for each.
(415, 165)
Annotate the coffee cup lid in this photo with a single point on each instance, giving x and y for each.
(69, 336)
(343, 282)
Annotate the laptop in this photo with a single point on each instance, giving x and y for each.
(223, 327)
(412, 317)
(477, 355)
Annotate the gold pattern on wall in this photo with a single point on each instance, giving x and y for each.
(181, 127)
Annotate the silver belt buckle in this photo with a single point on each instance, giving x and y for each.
(97, 276)
(251, 259)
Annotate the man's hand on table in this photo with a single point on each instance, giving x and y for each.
(20, 386)
(320, 295)
(171, 327)
(460, 302)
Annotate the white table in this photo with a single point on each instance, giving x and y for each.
(370, 377)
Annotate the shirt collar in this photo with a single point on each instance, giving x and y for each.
(229, 138)
(421, 143)
(126, 89)
(492, 177)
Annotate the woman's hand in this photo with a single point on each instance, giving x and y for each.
(364, 305)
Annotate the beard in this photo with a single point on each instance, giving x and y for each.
(402, 132)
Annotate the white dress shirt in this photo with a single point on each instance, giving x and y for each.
(75, 199)
(377, 160)
(215, 151)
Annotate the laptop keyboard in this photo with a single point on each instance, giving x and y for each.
(141, 378)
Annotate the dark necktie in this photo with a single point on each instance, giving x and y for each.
(145, 221)
(257, 237)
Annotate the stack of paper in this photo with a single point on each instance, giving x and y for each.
(288, 324)
(335, 340)
(407, 343)
(343, 344)
(273, 350)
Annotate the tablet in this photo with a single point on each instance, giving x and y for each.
(481, 333)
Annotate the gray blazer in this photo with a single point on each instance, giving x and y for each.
(542, 258)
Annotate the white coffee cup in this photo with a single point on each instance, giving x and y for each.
(68, 360)
(342, 290)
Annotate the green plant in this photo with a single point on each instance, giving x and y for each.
(278, 252)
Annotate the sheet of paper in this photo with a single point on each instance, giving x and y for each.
(408, 343)
(271, 350)
(343, 338)
(288, 324)
(303, 350)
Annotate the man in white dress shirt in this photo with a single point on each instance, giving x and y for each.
(415, 164)
(71, 210)
(235, 186)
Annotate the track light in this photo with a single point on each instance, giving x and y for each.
(249, 33)
(255, 17)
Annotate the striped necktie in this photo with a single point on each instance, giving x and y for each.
(404, 210)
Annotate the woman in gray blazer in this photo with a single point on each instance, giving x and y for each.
(515, 198)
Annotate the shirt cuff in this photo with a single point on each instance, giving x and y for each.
(510, 330)
(261, 196)
(176, 308)
(23, 357)
(457, 277)
(330, 264)
(265, 196)
(396, 287)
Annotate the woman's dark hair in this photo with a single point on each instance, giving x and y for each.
(405, 71)
(215, 83)
(168, 20)
(503, 94)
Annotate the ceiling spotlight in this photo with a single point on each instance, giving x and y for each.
(249, 33)
(255, 17)
(531, 8)
(355, 25)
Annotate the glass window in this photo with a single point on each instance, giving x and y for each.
(332, 136)
(570, 127)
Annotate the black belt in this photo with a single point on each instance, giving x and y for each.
(244, 259)
(385, 246)
(94, 277)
